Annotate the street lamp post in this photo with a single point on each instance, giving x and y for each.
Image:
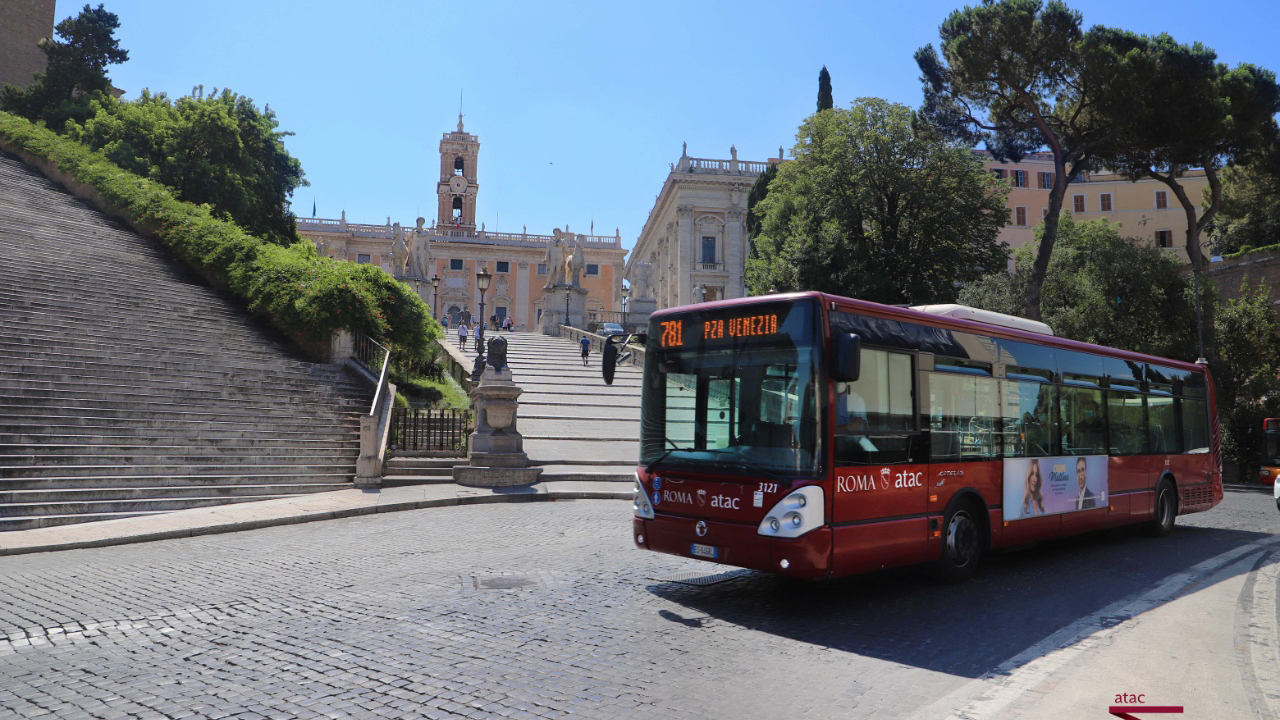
(482, 282)
(1195, 280)
(435, 294)
(625, 292)
(566, 310)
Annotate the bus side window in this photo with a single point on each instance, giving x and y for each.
(1195, 425)
(1028, 418)
(1127, 420)
(1083, 429)
(1163, 425)
(874, 417)
(962, 411)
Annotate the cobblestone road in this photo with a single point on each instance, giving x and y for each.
(531, 611)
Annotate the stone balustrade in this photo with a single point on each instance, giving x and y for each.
(708, 166)
(481, 237)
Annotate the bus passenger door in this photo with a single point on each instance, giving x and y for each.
(962, 407)
(878, 493)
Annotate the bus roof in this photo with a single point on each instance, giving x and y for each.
(866, 307)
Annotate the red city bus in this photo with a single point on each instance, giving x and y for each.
(1270, 451)
(819, 436)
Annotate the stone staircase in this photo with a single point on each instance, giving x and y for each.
(574, 426)
(411, 470)
(128, 387)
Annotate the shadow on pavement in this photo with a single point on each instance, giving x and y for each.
(1017, 599)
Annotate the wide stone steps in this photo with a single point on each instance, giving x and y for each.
(155, 493)
(138, 404)
(103, 345)
(575, 427)
(62, 371)
(128, 386)
(114, 389)
(179, 456)
(80, 314)
(159, 415)
(184, 467)
(401, 471)
(34, 361)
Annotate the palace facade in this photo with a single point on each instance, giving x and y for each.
(453, 250)
(695, 240)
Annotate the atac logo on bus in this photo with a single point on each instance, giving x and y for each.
(889, 479)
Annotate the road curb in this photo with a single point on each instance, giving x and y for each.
(465, 496)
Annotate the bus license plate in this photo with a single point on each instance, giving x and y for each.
(710, 552)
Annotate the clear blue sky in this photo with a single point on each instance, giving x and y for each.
(579, 107)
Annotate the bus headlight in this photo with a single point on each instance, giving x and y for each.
(795, 514)
(640, 505)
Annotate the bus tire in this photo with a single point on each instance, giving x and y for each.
(1166, 509)
(963, 542)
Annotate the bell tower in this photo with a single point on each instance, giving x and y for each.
(458, 187)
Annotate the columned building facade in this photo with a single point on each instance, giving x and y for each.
(695, 239)
(454, 250)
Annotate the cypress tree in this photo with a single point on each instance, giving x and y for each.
(824, 90)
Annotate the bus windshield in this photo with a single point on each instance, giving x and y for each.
(733, 389)
(1271, 451)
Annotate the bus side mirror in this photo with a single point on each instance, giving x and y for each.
(848, 358)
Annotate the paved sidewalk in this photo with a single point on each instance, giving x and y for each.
(287, 511)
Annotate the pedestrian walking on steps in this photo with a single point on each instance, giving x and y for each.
(462, 335)
(586, 348)
(475, 334)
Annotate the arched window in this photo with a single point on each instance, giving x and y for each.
(457, 166)
(457, 207)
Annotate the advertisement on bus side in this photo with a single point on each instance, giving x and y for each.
(1051, 485)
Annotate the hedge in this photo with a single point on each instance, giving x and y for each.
(300, 292)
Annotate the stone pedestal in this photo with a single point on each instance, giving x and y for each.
(496, 457)
(553, 308)
(638, 312)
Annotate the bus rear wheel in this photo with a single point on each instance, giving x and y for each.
(1166, 509)
(962, 543)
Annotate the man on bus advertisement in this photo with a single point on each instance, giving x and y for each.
(1051, 485)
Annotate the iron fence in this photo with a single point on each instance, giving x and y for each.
(430, 430)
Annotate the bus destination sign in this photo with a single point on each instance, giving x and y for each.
(721, 328)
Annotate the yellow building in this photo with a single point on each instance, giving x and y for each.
(1146, 209)
(453, 250)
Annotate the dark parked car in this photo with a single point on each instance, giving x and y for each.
(607, 329)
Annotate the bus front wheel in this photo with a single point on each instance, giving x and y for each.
(1166, 509)
(962, 543)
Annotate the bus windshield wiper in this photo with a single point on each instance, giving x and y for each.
(752, 467)
(648, 469)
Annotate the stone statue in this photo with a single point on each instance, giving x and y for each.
(555, 260)
(420, 252)
(498, 353)
(324, 248)
(641, 280)
(399, 252)
(573, 262)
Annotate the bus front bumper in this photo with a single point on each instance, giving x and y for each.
(807, 557)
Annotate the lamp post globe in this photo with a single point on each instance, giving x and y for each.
(482, 283)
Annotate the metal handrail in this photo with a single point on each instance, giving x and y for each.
(364, 354)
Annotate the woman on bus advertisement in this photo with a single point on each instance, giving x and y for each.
(1046, 486)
